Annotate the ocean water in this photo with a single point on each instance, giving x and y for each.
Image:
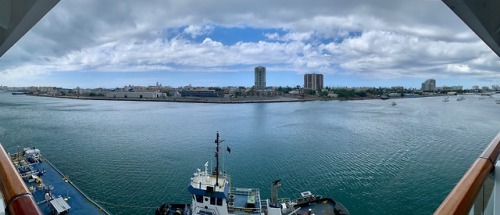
(372, 157)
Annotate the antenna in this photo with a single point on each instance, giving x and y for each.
(217, 141)
(216, 172)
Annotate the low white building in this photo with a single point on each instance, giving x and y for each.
(394, 94)
(136, 95)
(333, 95)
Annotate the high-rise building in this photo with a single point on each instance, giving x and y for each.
(429, 85)
(260, 78)
(313, 81)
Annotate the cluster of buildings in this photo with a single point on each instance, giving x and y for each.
(313, 86)
(486, 88)
(430, 86)
(312, 82)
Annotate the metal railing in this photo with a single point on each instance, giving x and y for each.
(18, 199)
(462, 198)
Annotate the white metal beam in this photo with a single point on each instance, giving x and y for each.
(482, 17)
(18, 17)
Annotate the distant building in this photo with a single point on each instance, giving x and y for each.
(333, 95)
(260, 78)
(394, 94)
(398, 88)
(429, 85)
(475, 87)
(450, 88)
(313, 82)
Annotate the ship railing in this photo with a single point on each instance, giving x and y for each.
(478, 192)
(244, 191)
(247, 192)
(247, 210)
(17, 198)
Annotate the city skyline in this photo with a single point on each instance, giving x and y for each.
(250, 81)
(353, 44)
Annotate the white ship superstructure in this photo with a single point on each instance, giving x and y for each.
(212, 194)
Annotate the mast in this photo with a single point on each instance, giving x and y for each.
(217, 141)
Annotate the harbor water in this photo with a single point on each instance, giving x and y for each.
(373, 157)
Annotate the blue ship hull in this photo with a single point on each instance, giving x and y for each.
(46, 182)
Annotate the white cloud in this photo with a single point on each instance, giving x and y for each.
(458, 68)
(383, 38)
(196, 30)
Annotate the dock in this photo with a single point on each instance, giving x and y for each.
(46, 182)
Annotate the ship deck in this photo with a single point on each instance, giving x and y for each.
(64, 193)
(324, 206)
(244, 201)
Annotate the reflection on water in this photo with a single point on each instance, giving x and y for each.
(370, 155)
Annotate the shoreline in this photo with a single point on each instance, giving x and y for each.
(189, 100)
(276, 99)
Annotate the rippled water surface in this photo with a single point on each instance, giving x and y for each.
(369, 155)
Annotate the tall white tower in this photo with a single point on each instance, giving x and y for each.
(260, 78)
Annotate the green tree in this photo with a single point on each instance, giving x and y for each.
(361, 94)
(324, 93)
(345, 93)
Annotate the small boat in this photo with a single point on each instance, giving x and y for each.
(394, 103)
(18, 93)
(212, 194)
(461, 98)
(446, 99)
(384, 97)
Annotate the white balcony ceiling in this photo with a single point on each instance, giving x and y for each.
(17, 17)
(482, 16)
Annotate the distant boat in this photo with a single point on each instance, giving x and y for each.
(446, 99)
(394, 103)
(384, 97)
(18, 93)
(461, 98)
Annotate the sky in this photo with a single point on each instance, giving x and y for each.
(354, 43)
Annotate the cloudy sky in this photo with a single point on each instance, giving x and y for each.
(104, 43)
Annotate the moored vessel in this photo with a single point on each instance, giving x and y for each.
(18, 93)
(212, 194)
(52, 191)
